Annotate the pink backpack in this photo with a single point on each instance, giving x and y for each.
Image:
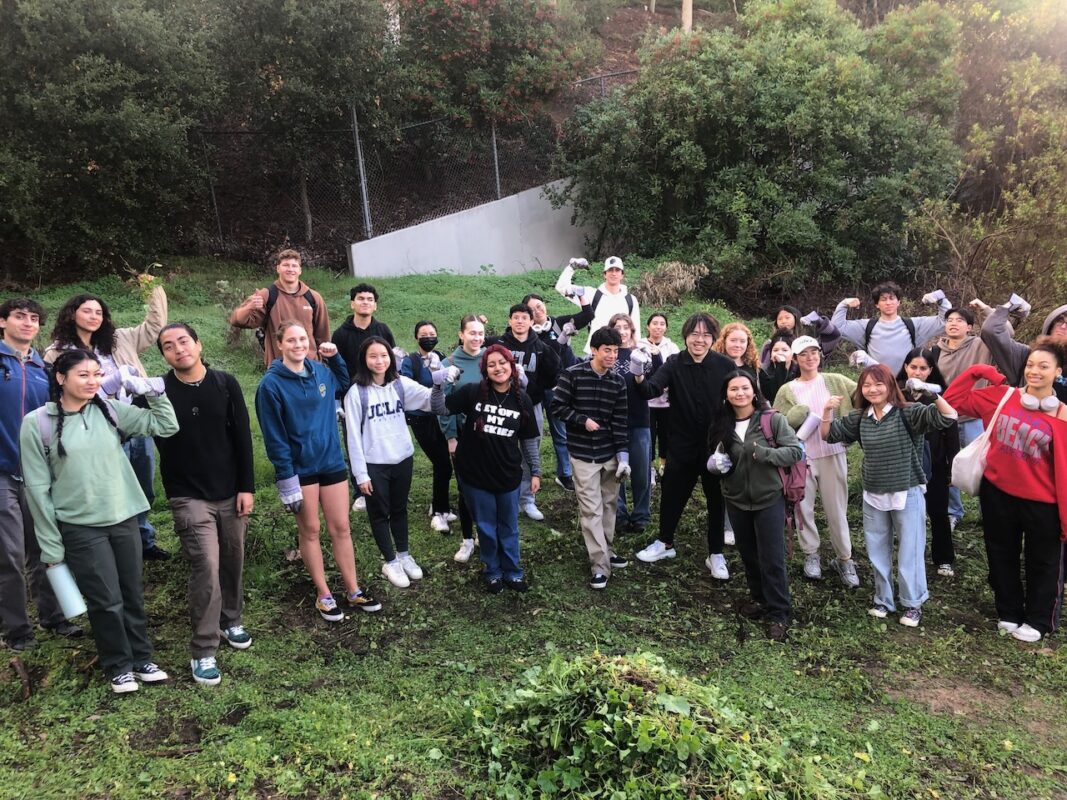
(794, 478)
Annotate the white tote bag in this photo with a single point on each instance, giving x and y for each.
(968, 466)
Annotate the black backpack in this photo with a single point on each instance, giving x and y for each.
(908, 323)
(599, 294)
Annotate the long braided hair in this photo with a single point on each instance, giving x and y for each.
(65, 333)
(68, 360)
(483, 389)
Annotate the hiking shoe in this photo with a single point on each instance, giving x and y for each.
(946, 571)
(1009, 627)
(394, 573)
(777, 632)
(846, 570)
(154, 553)
(494, 585)
(533, 512)
(466, 550)
(411, 569)
(22, 643)
(123, 683)
(716, 564)
(205, 671)
(878, 611)
(359, 504)
(813, 567)
(449, 516)
(516, 584)
(237, 637)
(750, 609)
(911, 617)
(149, 672)
(655, 551)
(363, 601)
(439, 523)
(617, 561)
(599, 581)
(565, 482)
(729, 538)
(328, 609)
(1024, 633)
(65, 628)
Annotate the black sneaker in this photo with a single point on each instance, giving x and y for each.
(155, 553)
(65, 628)
(599, 581)
(565, 482)
(617, 561)
(22, 643)
(494, 586)
(516, 584)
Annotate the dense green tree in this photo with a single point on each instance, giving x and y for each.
(779, 152)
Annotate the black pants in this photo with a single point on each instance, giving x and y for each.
(659, 424)
(1015, 527)
(679, 480)
(941, 549)
(432, 440)
(760, 539)
(387, 506)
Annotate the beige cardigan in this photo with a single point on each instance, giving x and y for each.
(131, 342)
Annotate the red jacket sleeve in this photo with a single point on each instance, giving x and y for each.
(971, 402)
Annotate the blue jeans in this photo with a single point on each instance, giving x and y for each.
(526, 495)
(909, 528)
(969, 431)
(640, 482)
(558, 429)
(497, 519)
(141, 451)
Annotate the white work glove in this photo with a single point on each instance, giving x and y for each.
(574, 291)
(445, 375)
(566, 332)
(623, 470)
(292, 496)
(811, 318)
(640, 362)
(399, 354)
(860, 358)
(340, 410)
(933, 298)
(578, 263)
(811, 424)
(112, 384)
(146, 387)
(1018, 305)
(917, 386)
(719, 462)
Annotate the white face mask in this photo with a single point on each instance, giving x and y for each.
(1031, 403)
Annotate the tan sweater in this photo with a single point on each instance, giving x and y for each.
(130, 342)
(288, 307)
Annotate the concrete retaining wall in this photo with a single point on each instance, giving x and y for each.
(520, 233)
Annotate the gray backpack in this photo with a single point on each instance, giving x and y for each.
(46, 426)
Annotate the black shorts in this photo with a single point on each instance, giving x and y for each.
(324, 479)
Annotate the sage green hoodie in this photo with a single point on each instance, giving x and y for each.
(93, 484)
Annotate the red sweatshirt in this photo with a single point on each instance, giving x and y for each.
(1023, 460)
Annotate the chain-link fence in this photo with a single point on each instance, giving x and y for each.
(601, 85)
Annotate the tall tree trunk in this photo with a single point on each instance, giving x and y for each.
(687, 16)
(305, 205)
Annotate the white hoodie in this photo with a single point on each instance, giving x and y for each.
(609, 305)
(382, 437)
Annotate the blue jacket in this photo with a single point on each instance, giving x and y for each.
(23, 388)
(298, 417)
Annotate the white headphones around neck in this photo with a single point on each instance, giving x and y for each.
(1031, 403)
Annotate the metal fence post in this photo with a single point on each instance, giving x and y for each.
(211, 185)
(362, 176)
(496, 163)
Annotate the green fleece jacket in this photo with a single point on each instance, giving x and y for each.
(754, 483)
(93, 484)
(786, 400)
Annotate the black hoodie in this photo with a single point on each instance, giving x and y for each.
(349, 338)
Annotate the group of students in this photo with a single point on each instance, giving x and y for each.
(748, 423)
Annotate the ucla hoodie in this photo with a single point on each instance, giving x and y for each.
(298, 417)
(379, 434)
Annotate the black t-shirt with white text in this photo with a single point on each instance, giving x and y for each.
(488, 455)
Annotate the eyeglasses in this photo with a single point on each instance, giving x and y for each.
(1059, 323)
(699, 335)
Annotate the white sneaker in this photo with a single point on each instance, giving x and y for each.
(450, 517)
(533, 512)
(946, 571)
(847, 571)
(394, 573)
(716, 563)
(952, 523)
(813, 567)
(728, 537)
(360, 504)
(1010, 627)
(652, 477)
(439, 523)
(466, 550)
(1024, 633)
(655, 551)
(411, 569)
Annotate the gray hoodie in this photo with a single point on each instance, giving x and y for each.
(1009, 355)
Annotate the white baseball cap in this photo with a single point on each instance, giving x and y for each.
(802, 343)
(613, 262)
